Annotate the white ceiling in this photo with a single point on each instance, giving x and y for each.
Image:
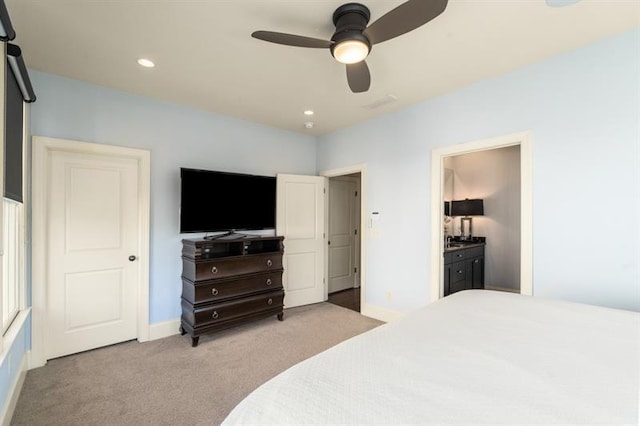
(205, 57)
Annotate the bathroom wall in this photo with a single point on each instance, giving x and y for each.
(494, 177)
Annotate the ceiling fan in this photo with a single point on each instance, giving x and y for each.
(352, 41)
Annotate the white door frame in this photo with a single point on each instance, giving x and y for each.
(365, 309)
(43, 147)
(526, 206)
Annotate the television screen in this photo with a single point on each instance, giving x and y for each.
(218, 201)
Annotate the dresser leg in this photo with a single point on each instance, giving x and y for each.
(194, 341)
(182, 331)
(281, 316)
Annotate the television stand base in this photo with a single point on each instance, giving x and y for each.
(230, 235)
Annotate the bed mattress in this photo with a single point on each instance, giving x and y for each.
(476, 357)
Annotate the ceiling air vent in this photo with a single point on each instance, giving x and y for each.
(387, 99)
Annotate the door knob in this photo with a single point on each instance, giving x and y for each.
(132, 258)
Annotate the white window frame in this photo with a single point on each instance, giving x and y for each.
(12, 261)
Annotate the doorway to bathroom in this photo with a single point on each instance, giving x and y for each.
(492, 179)
(497, 171)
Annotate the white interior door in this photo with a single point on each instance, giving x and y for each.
(342, 234)
(92, 233)
(300, 218)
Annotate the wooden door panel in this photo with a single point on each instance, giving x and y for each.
(93, 229)
(342, 196)
(300, 219)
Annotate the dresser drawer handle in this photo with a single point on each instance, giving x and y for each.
(476, 261)
(214, 291)
(458, 255)
(215, 315)
(270, 302)
(269, 262)
(459, 271)
(214, 270)
(268, 281)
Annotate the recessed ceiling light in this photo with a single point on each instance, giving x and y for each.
(147, 63)
(309, 124)
(308, 112)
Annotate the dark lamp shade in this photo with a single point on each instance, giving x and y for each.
(467, 208)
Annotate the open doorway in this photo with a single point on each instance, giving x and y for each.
(343, 242)
(349, 185)
(439, 156)
(492, 178)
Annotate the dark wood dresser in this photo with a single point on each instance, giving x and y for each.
(226, 282)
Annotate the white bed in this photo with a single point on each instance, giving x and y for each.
(476, 357)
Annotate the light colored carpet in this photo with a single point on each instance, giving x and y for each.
(167, 382)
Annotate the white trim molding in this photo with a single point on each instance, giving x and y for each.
(43, 147)
(164, 329)
(380, 313)
(14, 392)
(524, 140)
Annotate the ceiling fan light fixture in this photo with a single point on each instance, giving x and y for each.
(147, 63)
(350, 51)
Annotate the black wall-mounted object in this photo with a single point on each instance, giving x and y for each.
(6, 29)
(14, 57)
(212, 201)
(14, 129)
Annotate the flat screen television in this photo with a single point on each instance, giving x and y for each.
(212, 201)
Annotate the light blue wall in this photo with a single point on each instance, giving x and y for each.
(177, 137)
(583, 109)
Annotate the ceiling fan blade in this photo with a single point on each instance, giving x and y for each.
(291, 39)
(404, 18)
(358, 77)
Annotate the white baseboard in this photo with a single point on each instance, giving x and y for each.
(14, 392)
(164, 329)
(379, 313)
(497, 288)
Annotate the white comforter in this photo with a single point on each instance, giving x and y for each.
(476, 357)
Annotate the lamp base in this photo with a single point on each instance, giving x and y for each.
(466, 232)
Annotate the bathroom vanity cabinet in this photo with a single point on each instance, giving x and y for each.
(463, 268)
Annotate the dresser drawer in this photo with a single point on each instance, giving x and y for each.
(221, 312)
(458, 255)
(458, 272)
(231, 266)
(215, 290)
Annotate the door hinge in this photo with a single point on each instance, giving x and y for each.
(324, 190)
(355, 270)
(355, 232)
(356, 193)
(323, 280)
(324, 236)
